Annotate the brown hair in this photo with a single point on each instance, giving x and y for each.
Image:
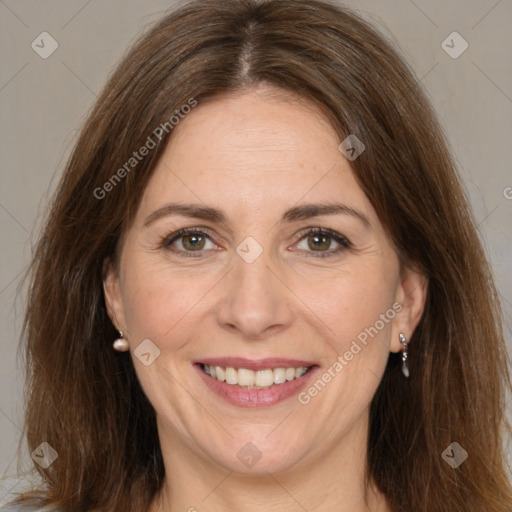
(85, 400)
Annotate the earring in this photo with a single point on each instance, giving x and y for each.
(121, 344)
(405, 368)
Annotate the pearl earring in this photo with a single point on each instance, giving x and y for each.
(121, 344)
(405, 368)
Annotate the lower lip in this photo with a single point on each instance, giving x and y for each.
(255, 397)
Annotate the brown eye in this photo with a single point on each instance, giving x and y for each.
(188, 241)
(323, 242)
(193, 242)
(319, 242)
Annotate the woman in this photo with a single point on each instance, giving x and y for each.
(259, 286)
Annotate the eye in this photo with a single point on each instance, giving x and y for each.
(319, 242)
(189, 240)
(323, 242)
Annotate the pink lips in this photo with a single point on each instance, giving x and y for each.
(255, 397)
(256, 364)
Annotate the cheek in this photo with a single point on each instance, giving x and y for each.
(156, 301)
(354, 304)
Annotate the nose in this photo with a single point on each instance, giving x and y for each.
(256, 302)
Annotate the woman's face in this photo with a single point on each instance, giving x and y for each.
(284, 267)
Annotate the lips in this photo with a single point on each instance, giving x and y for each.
(251, 379)
(256, 364)
(255, 383)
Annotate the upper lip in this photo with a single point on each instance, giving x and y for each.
(256, 364)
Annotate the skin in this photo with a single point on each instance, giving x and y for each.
(254, 155)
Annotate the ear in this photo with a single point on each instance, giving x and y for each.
(112, 293)
(411, 295)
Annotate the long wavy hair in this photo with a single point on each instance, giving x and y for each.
(84, 399)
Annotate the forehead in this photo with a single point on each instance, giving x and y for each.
(254, 152)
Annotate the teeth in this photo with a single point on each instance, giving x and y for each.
(298, 372)
(231, 376)
(279, 375)
(264, 378)
(246, 377)
(221, 374)
(250, 379)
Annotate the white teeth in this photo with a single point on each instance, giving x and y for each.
(221, 374)
(231, 376)
(298, 372)
(250, 379)
(264, 378)
(246, 377)
(290, 373)
(279, 375)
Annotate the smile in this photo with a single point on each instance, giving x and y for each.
(246, 382)
(250, 379)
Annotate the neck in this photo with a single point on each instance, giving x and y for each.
(330, 480)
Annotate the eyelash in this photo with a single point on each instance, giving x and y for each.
(343, 242)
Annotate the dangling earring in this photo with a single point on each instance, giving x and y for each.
(121, 344)
(405, 368)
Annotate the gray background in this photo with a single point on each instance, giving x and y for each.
(44, 102)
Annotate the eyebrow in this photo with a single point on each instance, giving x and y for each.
(296, 213)
(307, 211)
